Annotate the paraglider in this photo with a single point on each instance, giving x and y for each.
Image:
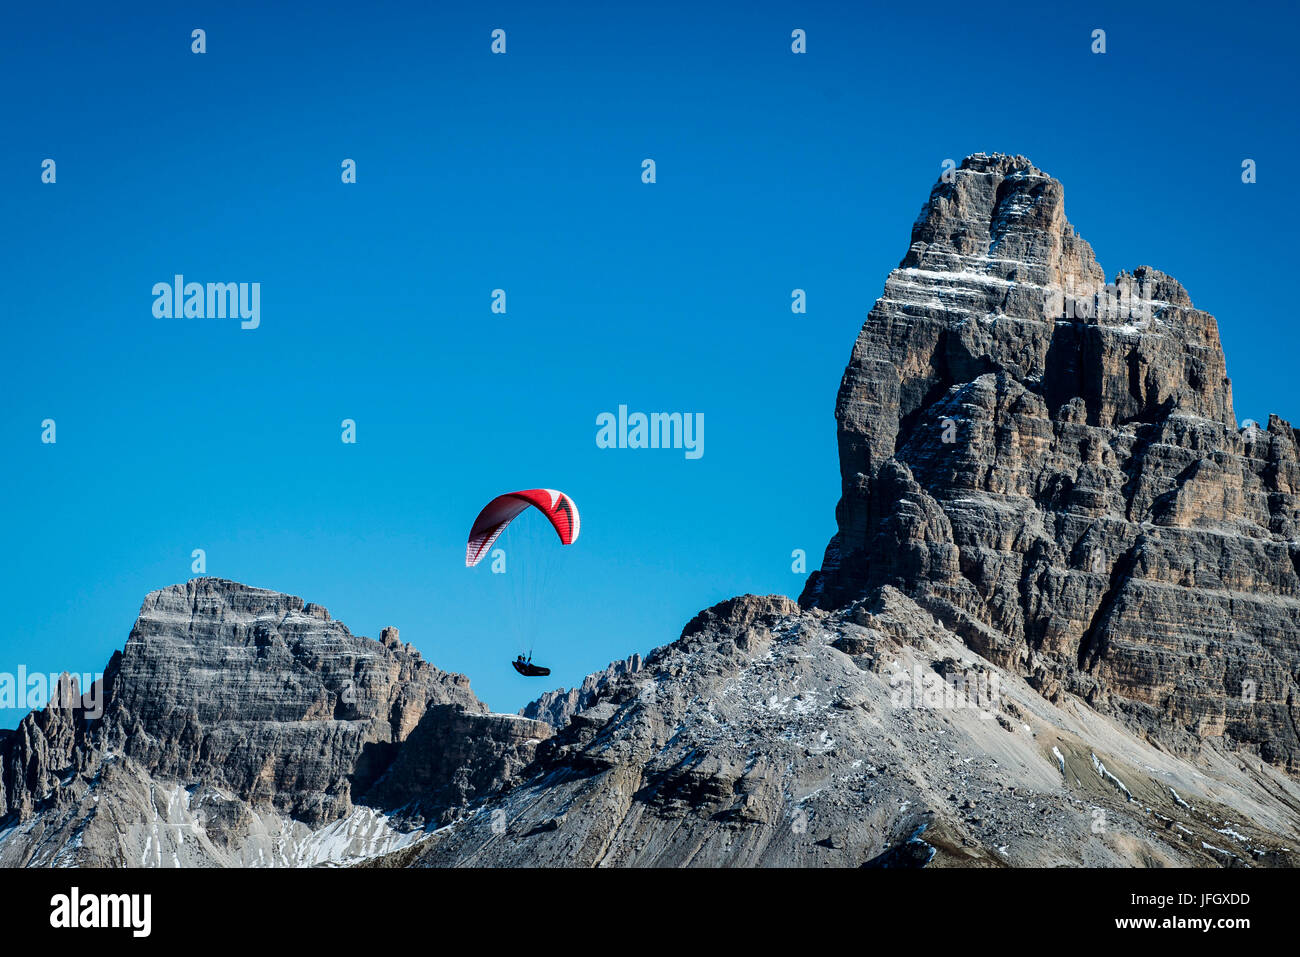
(526, 668)
(493, 520)
(504, 509)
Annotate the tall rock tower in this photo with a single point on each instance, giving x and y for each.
(1050, 464)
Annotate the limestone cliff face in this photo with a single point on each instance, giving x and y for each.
(263, 713)
(265, 695)
(1053, 469)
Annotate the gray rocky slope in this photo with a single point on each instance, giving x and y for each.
(871, 735)
(1057, 626)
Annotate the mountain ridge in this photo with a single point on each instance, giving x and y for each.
(1058, 625)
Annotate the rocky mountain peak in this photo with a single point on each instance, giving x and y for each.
(1051, 466)
(260, 708)
(1001, 217)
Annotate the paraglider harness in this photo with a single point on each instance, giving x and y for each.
(526, 667)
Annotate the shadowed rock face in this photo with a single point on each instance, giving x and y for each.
(1054, 471)
(454, 758)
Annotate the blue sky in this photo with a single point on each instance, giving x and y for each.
(522, 172)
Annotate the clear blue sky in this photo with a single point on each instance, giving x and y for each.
(522, 171)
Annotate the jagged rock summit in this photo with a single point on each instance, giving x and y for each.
(1052, 468)
(266, 724)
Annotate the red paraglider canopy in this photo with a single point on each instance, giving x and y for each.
(503, 510)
